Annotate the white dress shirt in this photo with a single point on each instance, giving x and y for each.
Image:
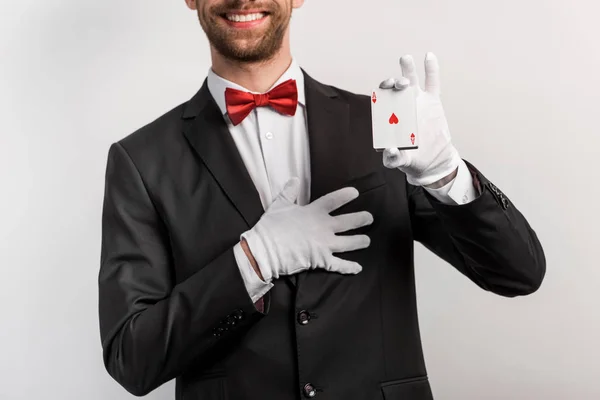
(275, 147)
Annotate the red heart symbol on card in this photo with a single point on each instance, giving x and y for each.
(374, 97)
(393, 119)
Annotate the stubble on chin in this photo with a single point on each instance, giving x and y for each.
(240, 46)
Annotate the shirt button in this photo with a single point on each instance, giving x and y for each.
(309, 391)
(303, 317)
(269, 135)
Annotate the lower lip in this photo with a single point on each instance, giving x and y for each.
(247, 24)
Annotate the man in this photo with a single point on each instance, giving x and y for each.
(255, 246)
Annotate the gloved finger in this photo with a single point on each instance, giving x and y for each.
(336, 199)
(394, 158)
(388, 83)
(409, 70)
(346, 222)
(290, 190)
(395, 84)
(344, 266)
(341, 243)
(432, 74)
(402, 83)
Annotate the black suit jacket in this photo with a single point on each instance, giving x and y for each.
(172, 301)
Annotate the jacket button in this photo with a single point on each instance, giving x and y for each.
(238, 314)
(309, 391)
(303, 317)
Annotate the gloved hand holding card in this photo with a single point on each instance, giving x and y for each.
(432, 157)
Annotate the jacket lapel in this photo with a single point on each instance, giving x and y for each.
(206, 130)
(328, 131)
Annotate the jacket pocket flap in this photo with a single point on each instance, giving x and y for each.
(367, 182)
(407, 389)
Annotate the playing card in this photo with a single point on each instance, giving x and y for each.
(394, 117)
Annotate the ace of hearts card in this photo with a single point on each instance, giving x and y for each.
(394, 116)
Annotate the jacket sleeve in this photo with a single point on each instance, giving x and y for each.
(152, 329)
(488, 239)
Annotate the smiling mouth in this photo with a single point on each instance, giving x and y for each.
(244, 17)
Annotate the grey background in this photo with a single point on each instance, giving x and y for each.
(520, 85)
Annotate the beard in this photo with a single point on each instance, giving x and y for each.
(245, 45)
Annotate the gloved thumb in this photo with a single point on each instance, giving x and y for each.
(290, 190)
(395, 158)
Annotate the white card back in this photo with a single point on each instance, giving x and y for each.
(394, 117)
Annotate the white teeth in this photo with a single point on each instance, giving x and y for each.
(245, 17)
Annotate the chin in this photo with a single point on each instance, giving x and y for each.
(248, 56)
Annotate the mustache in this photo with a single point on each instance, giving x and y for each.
(245, 5)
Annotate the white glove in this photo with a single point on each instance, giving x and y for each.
(436, 157)
(290, 238)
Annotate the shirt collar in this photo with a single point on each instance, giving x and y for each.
(217, 85)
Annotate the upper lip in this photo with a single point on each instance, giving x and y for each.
(245, 12)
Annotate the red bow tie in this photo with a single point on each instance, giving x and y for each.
(283, 98)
